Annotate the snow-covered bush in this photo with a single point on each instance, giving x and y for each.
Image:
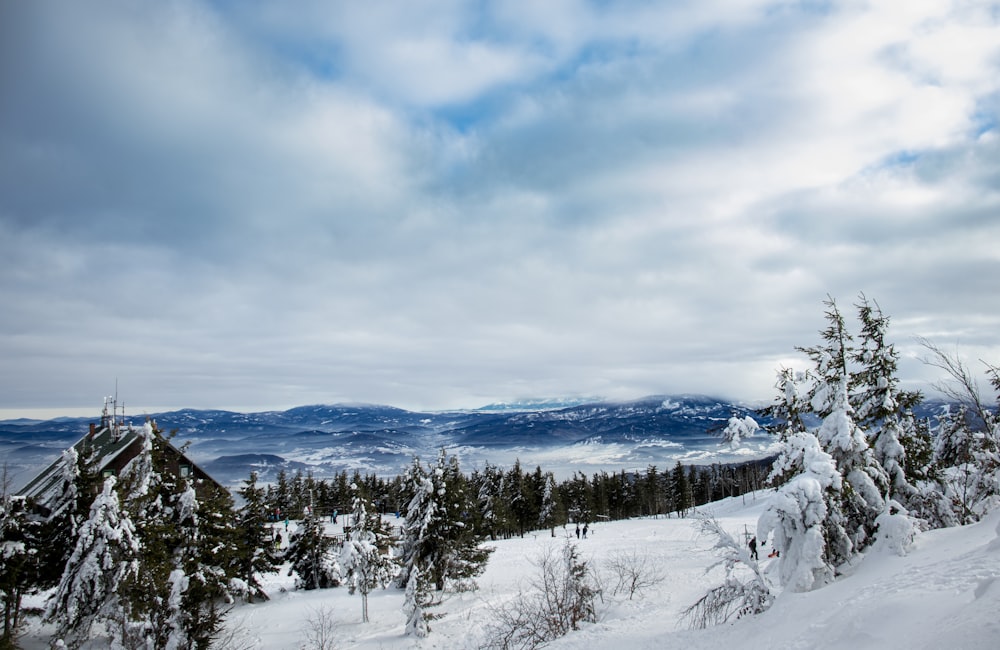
(896, 529)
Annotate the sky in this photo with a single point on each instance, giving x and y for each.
(255, 205)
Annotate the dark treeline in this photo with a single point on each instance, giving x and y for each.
(506, 502)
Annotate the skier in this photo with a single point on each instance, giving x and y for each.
(753, 548)
(578, 530)
(585, 527)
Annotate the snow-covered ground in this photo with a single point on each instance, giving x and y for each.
(944, 594)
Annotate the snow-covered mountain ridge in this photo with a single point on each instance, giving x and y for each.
(560, 435)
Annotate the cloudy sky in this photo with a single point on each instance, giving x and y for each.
(251, 204)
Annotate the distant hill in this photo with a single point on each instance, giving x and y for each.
(564, 436)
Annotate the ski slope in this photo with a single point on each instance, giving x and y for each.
(944, 594)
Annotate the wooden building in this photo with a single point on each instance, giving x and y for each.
(109, 446)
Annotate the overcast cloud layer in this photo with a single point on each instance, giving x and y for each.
(441, 204)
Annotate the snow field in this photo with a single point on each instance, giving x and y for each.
(944, 594)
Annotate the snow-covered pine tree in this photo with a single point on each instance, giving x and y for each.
(365, 558)
(187, 558)
(311, 556)
(547, 514)
(879, 406)
(515, 497)
(737, 429)
(419, 513)
(20, 561)
(957, 451)
(104, 556)
(256, 554)
(681, 495)
(147, 497)
(204, 562)
(804, 515)
(866, 482)
(967, 450)
(435, 536)
(58, 533)
(790, 406)
(416, 602)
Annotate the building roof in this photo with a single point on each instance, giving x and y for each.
(102, 444)
(109, 445)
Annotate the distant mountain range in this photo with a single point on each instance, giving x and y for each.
(561, 436)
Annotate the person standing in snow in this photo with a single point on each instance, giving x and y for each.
(585, 528)
(753, 548)
(578, 530)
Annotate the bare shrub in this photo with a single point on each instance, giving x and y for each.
(562, 595)
(633, 573)
(236, 635)
(321, 629)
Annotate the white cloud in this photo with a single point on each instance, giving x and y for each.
(433, 204)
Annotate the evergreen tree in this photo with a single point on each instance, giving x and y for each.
(148, 497)
(203, 564)
(435, 537)
(256, 554)
(879, 406)
(105, 554)
(365, 558)
(967, 450)
(865, 480)
(416, 602)
(309, 552)
(58, 533)
(547, 514)
(515, 495)
(20, 561)
(790, 406)
(804, 515)
(737, 429)
(681, 497)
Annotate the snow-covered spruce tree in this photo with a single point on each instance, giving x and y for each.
(804, 515)
(514, 497)
(176, 597)
(547, 514)
(790, 406)
(365, 558)
(311, 555)
(736, 596)
(20, 561)
(879, 406)
(490, 503)
(80, 483)
(967, 446)
(865, 480)
(737, 429)
(435, 535)
(256, 554)
(105, 555)
(416, 603)
(682, 499)
(964, 460)
(147, 496)
(204, 562)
